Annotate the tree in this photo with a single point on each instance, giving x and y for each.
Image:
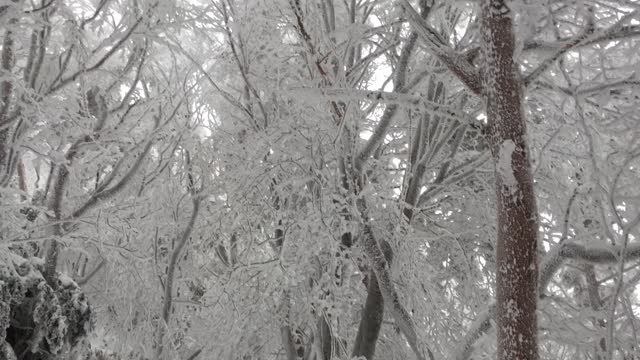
(517, 230)
(334, 172)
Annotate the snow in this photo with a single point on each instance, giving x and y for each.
(36, 261)
(296, 173)
(66, 281)
(504, 167)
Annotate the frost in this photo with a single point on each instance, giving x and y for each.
(66, 281)
(504, 167)
(325, 118)
(34, 317)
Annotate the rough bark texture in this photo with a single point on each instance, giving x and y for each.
(372, 314)
(516, 273)
(6, 89)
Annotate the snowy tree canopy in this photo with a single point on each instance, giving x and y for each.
(319, 179)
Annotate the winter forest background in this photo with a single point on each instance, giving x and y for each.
(319, 179)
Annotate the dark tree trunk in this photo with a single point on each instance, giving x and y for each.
(372, 314)
(516, 272)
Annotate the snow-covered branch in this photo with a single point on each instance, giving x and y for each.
(597, 36)
(380, 268)
(589, 36)
(419, 103)
(112, 50)
(173, 263)
(479, 327)
(599, 254)
(399, 86)
(456, 63)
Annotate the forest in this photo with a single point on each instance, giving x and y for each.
(319, 179)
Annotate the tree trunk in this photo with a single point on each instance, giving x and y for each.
(372, 314)
(516, 272)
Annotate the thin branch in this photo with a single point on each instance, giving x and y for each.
(227, 96)
(243, 68)
(115, 48)
(420, 160)
(101, 6)
(380, 268)
(417, 103)
(338, 113)
(43, 7)
(125, 99)
(102, 193)
(457, 63)
(167, 304)
(560, 52)
(596, 37)
(195, 354)
(93, 272)
(399, 86)
(480, 326)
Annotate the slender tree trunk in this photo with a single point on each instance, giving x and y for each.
(6, 90)
(167, 304)
(372, 314)
(516, 273)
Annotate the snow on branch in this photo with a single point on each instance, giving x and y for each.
(458, 64)
(167, 303)
(381, 270)
(599, 255)
(598, 36)
(416, 102)
(588, 36)
(399, 84)
(480, 327)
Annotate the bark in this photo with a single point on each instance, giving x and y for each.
(516, 273)
(372, 314)
(6, 90)
(324, 334)
(596, 305)
(285, 329)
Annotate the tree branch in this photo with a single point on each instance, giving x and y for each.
(456, 63)
(173, 263)
(399, 86)
(384, 97)
(93, 272)
(115, 48)
(380, 268)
